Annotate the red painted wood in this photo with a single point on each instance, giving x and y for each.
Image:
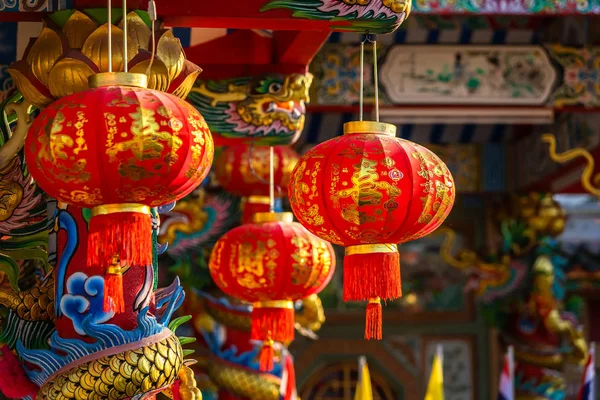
(218, 14)
(246, 53)
(298, 47)
(593, 321)
(131, 4)
(203, 21)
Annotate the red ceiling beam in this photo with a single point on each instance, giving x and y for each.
(246, 53)
(244, 14)
(298, 47)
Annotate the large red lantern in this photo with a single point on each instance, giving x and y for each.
(271, 263)
(119, 149)
(370, 191)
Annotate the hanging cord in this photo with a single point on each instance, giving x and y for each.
(109, 36)
(372, 40)
(362, 79)
(376, 80)
(250, 151)
(125, 60)
(153, 17)
(271, 180)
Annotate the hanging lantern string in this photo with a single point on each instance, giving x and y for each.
(271, 180)
(372, 40)
(375, 80)
(153, 17)
(109, 36)
(125, 60)
(261, 180)
(362, 78)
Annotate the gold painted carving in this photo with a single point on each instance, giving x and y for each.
(62, 60)
(155, 366)
(589, 180)
(10, 149)
(11, 192)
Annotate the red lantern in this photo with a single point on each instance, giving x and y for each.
(369, 191)
(119, 149)
(271, 263)
(243, 170)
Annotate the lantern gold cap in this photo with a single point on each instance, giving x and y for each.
(262, 217)
(258, 199)
(118, 79)
(369, 127)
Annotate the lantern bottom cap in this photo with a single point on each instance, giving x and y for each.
(118, 79)
(274, 304)
(120, 208)
(371, 248)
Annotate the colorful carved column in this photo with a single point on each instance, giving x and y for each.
(524, 294)
(67, 344)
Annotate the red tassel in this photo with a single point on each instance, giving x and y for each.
(371, 274)
(373, 323)
(113, 288)
(112, 230)
(270, 323)
(175, 390)
(267, 353)
(14, 383)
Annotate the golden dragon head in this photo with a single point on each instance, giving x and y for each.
(268, 109)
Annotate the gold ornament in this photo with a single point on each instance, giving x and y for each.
(589, 180)
(35, 304)
(61, 59)
(124, 375)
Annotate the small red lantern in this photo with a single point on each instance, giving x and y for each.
(243, 170)
(370, 191)
(119, 149)
(271, 263)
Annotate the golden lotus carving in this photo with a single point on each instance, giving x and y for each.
(61, 59)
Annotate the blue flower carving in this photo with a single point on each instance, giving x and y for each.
(84, 299)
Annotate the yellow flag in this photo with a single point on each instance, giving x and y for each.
(363, 388)
(435, 388)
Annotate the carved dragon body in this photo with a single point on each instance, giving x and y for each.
(233, 365)
(375, 16)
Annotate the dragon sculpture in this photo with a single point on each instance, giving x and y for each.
(269, 109)
(590, 179)
(522, 288)
(374, 16)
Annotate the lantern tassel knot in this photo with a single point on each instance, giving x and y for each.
(113, 288)
(272, 321)
(373, 323)
(267, 353)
